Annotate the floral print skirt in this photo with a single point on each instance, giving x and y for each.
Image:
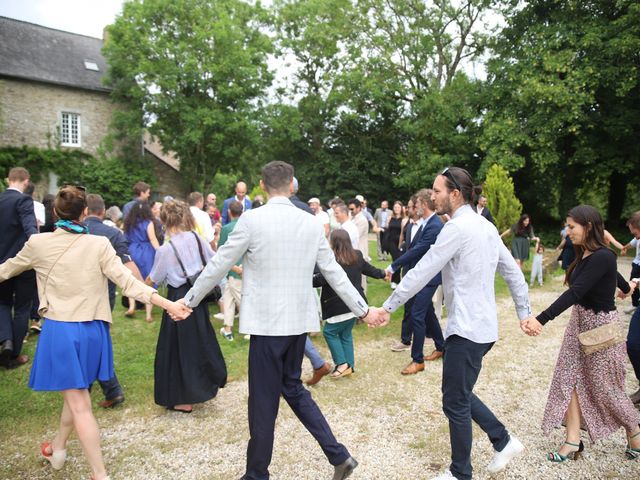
(598, 380)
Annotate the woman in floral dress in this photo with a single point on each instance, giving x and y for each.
(587, 391)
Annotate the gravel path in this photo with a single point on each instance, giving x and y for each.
(393, 425)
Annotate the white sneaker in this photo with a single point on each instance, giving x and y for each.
(219, 316)
(226, 335)
(501, 459)
(394, 285)
(446, 475)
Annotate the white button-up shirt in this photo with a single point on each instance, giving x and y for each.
(468, 251)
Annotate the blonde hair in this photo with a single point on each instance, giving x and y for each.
(176, 215)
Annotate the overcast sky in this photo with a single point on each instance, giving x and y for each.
(87, 17)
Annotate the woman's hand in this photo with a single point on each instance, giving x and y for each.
(531, 326)
(178, 310)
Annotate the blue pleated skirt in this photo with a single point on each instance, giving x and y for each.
(71, 355)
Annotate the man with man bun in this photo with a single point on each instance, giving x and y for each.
(468, 252)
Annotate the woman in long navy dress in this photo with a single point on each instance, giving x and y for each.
(189, 367)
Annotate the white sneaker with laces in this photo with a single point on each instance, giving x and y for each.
(226, 335)
(446, 475)
(501, 459)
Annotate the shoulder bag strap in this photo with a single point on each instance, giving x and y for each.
(46, 279)
(184, 271)
(204, 262)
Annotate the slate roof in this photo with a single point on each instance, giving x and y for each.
(43, 54)
(153, 146)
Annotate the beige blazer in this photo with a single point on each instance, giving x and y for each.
(76, 287)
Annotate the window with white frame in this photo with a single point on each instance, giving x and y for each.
(70, 129)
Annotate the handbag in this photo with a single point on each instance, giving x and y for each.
(600, 338)
(215, 294)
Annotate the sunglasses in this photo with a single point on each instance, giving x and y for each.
(79, 187)
(447, 173)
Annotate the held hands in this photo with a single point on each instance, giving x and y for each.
(178, 310)
(377, 317)
(531, 326)
(387, 276)
(632, 287)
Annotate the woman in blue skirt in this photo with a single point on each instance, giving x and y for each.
(74, 349)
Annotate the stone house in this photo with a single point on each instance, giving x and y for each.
(52, 95)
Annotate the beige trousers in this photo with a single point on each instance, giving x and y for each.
(231, 299)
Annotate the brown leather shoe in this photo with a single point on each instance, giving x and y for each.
(114, 402)
(318, 373)
(413, 368)
(436, 354)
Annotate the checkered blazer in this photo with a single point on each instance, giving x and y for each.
(279, 245)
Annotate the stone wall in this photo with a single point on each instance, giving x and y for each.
(168, 181)
(30, 114)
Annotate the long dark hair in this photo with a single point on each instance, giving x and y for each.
(589, 218)
(521, 230)
(342, 248)
(140, 212)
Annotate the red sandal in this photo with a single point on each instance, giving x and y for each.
(55, 458)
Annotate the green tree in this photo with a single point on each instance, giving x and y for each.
(417, 53)
(564, 105)
(501, 198)
(194, 73)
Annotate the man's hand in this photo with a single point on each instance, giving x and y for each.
(178, 310)
(377, 317)
(237, 269)
(531, 326)
(387, 276)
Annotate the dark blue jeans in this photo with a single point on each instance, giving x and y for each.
(461, 367)
(633, 342)
(275, 366)
(425, 323)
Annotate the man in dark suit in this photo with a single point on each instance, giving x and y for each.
(240, 196)
(408, 241)
(94, 215)
(423, 316)
(296, 201)
(17, 223)
(482, 209)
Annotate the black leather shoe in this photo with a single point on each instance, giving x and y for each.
(6, 349)
(345, 469)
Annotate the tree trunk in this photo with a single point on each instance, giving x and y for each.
(617, 196)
